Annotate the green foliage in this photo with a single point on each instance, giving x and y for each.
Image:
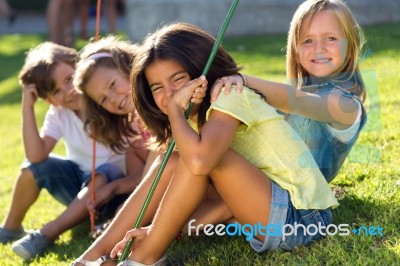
(368, 185)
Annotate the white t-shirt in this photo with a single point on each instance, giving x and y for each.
(64, 123)
(346, 135)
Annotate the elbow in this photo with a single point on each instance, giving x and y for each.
(35, 158)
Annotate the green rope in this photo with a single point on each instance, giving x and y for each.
(171, 145)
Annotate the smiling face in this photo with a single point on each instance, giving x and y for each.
(165, 77)
(110, 89)
(323, 45)
(64, 93)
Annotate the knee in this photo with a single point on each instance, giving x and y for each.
(26, 175)
(101, 179)
(26, 179)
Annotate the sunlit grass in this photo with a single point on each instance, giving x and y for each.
(369, 180)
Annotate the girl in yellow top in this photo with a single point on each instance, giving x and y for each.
(278, 184)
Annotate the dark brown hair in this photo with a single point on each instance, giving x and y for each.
(40, 63)
(189, 46)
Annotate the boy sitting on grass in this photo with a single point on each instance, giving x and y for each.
(48, 73)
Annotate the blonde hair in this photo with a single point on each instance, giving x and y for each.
(113, 53)
(296, 74)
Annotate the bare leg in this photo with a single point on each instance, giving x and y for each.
(185, 194)
(5, 8)
(24, 195)
(212, 210)
(56, 29)
(244, 188)
(83, 19)
(128, 214)
(111, 14)
(69, 18)
(75, 213)
(57, 14)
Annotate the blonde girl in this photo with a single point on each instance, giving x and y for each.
(324, 99)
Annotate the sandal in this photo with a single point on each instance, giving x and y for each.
(97, 262)
(161, 262)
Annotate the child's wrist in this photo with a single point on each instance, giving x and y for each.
(244, 78)
(173, 108)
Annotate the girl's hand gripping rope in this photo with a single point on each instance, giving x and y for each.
(194, 91)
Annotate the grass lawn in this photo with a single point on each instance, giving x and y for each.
(368, 185)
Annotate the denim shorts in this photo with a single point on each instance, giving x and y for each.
(289, 227)
(63, 178)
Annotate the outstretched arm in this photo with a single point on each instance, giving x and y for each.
(336, 109)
